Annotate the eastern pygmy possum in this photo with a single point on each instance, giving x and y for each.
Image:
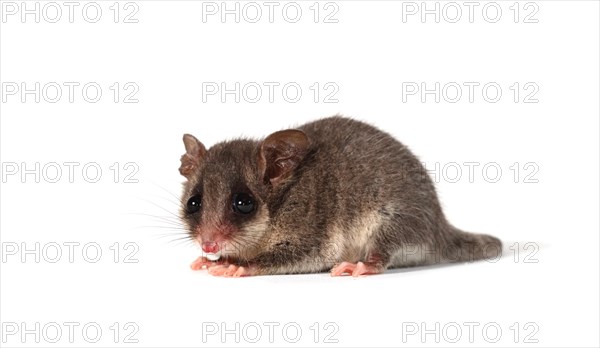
(334, 195)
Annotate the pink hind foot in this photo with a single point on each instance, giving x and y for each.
(355, 269)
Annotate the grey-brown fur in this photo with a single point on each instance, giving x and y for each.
(353, 194)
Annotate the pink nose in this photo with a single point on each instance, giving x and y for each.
(210, 247)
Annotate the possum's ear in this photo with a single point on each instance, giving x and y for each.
(194, 153)
(280, 154)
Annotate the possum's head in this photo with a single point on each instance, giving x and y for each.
(226, 198)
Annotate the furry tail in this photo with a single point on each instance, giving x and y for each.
(467, 247)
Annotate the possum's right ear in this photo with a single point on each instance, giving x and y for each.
(194, 153)
(281, 153)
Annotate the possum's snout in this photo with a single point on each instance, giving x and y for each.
(210, 247)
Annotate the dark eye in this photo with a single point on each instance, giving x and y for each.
(243, 203)
(194, 204)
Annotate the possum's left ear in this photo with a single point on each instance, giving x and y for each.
(280, 154)
(194, 153)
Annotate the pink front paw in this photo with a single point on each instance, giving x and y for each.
(203, 262)
(200, 263)
(230, 271)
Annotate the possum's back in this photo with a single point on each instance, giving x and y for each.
(360, 154)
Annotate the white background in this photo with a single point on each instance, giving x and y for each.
(368, 54)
